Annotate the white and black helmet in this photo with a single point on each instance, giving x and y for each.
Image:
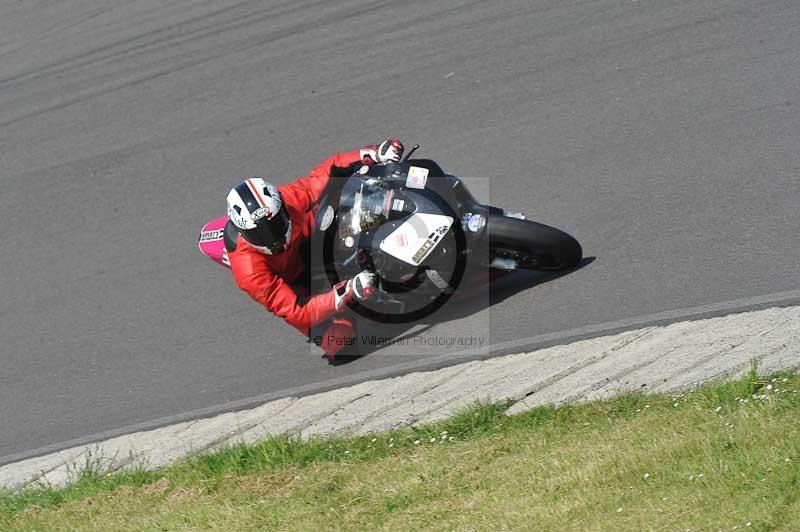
(256, 209)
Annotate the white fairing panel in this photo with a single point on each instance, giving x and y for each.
(413, 241)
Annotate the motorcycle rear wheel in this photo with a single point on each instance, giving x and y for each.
(533, 245)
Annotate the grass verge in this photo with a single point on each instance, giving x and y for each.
(722, 456)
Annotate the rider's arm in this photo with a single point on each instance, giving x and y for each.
(308, 189)
(279, 298)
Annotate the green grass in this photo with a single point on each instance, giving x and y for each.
(723, 456)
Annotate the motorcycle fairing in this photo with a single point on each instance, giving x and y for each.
(416, 237)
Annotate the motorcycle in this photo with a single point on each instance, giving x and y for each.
(421, 231)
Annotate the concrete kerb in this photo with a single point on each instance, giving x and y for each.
(663, 358)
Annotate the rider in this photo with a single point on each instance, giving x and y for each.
(268, 226)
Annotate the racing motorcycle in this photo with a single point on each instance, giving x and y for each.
(421, 231)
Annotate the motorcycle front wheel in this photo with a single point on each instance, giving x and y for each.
(533, 245)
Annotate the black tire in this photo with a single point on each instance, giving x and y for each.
(536, 246)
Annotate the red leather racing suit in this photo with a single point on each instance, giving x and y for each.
(268, 278)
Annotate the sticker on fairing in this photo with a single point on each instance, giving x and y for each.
(398, 204)
(423, 251)
(210, 236)
(416, 238)
(417, 177)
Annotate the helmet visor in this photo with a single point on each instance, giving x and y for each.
(269, 232)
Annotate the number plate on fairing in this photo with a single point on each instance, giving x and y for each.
(416, 238)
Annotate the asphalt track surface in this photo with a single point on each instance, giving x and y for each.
(665, 135)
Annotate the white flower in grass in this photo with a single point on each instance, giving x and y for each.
(718, 409)
(391, 445)
(432, 440)
(416, 442)
(748, 523)
(374, 440)
(769, 386)
(619, 509)
(663, 499)
(646, 476)
(674, 404)
(347, 452)
(443, 433)
(785, 379)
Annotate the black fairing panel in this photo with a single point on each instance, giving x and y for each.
(393, 171)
